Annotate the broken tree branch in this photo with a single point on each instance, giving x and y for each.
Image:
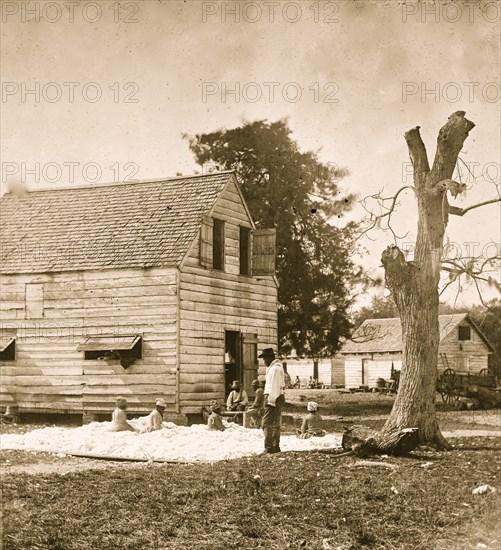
(450, 141)
(455, 211)
(417, 152)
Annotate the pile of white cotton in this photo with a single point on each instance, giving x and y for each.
(190, 444)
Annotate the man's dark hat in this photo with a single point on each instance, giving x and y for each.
(267, 352)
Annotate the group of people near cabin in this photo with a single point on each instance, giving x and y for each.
(238, 401)
(265, 410)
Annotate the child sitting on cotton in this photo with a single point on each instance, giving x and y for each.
(215, 422)
(312, 424)
(155, 418)
(119, 417)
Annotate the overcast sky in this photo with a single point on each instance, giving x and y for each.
(117, 84)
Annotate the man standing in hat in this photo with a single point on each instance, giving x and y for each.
(156, 416)
(274, 400)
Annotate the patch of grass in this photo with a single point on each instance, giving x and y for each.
(341, 404)
(298, 501)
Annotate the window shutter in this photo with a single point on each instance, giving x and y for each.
(206, 244)
(263, 252)
(249, 361)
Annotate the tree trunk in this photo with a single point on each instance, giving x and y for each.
(414, 284)
(364, 441)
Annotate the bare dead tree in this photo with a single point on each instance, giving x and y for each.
(368, 333)
(414, 283)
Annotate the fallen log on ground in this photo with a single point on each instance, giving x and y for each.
(487, 399)
(364, 441)
(115, 458)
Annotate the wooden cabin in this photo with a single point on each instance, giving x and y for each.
(144, 289)
(376, 348)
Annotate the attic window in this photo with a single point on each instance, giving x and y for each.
(245, 249)
(8, 349)
(107, 348)
(218, 244)
(464, 333)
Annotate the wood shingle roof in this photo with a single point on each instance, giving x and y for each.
(119, 225)
(385, 335)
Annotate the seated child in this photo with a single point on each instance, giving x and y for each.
(312, 424)
(156, 416)
(215, 422)
(119, 417)
(256, 410)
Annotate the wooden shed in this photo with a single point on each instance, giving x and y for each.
(143, 289)
(376, 348)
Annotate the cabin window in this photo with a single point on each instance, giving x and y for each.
(206, 247)
(245, 237)
(218, 244)
(464, 333)
(125, 349)
(8, 349)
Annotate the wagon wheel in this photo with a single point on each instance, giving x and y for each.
(484, 372)
(448, 387)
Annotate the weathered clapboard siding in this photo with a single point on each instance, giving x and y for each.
(472, 357)
(337, 371)
(462, 356)
(353, 371)
(380, 367)
(212, 302)
(48, 369)
(52, 302)
(377, 366)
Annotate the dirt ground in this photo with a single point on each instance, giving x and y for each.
(296, 500)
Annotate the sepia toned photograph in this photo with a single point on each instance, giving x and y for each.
(250, 274)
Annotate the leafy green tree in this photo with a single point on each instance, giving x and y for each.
(297, 194)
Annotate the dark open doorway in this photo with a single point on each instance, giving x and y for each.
(232, 359)
(240, 360)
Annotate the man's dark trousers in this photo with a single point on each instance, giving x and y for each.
(272, 421)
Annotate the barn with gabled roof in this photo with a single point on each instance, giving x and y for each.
(144, 289)
(375, 349)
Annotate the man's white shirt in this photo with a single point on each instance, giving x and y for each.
(275, 382)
